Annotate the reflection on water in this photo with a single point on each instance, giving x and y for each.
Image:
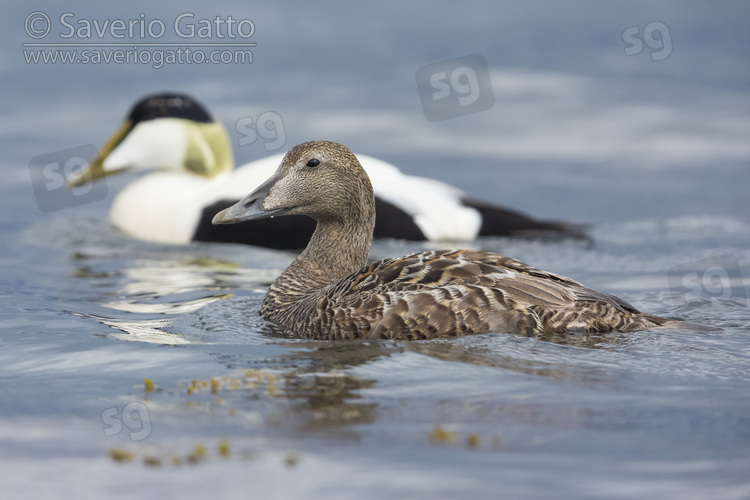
(322, 399)
(162, 289)
(163, 277)
(142, 330)
(488, 357)
(324, 391)
(172, 307)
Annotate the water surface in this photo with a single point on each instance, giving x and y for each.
(653, 154)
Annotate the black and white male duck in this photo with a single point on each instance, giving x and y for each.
(329, 291)
(194, 178)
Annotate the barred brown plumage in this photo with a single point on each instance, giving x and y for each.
(328, 293)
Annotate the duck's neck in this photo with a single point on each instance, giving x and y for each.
(336, 249)
(340, 247)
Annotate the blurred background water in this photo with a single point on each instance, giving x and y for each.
(651, 148)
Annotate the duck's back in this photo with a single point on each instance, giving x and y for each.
(459, 292)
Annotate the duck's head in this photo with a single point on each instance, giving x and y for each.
(166, 132)
(320, 179)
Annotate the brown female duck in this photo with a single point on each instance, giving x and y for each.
(328, 293)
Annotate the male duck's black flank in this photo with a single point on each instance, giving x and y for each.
(328, 291)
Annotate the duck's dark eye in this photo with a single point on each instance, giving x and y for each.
(313, 163)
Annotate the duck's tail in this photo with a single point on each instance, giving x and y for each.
(643, 321)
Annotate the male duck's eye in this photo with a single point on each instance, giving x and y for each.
(313, 163)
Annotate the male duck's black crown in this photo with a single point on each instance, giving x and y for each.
(168, 105)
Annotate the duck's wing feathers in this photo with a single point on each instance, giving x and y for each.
(462, 291)
(521, 282)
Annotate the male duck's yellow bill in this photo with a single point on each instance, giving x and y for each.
(96, 169)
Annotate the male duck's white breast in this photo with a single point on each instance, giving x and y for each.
(164, 207)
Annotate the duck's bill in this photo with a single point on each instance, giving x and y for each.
(249, 207)
(236, 213)
(97, 168)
